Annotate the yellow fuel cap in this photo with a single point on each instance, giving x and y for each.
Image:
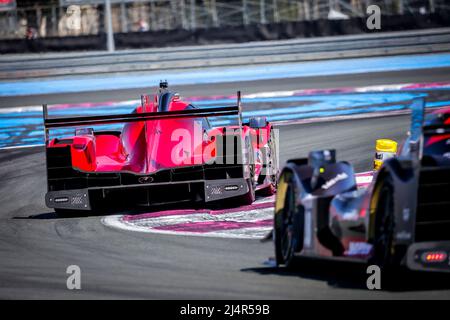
(384, 149)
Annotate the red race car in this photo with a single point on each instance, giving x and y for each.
(166, 152)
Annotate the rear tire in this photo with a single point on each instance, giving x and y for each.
(288, 231)
(384, 228)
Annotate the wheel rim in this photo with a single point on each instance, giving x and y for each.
(287, 229)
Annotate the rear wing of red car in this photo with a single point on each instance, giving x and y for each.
(53, 123)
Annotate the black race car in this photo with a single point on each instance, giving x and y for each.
(401, 219)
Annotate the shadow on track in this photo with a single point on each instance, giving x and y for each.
(43, 216)
(336, 274)
(98, 213)
(353, 276)
(117, 210)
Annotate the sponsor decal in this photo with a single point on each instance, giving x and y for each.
(363, 179)
(341, 176)
(351, 215)
(406, 214)
(403, 235)
(145, 179)
(358, 249)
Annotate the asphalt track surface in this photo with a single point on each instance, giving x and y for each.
(36, 247)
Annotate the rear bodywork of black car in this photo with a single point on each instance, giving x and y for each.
(401, 219)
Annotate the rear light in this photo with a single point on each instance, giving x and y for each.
(434, 256)
(61, 199)
(63, 141)
(79, 146)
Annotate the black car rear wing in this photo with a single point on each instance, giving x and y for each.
(52, 123)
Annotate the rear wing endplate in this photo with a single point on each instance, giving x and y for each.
(417, 119)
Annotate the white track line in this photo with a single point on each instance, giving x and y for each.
(117, 223)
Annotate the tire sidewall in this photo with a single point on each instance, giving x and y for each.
(287, 257)
(384, 227)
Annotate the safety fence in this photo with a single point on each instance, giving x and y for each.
(76, 17)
